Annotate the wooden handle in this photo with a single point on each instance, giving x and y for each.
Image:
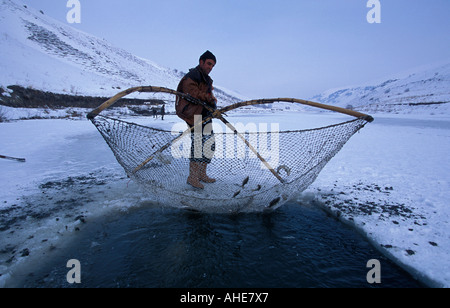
(118, 96)
(22, 160)
(353, 113)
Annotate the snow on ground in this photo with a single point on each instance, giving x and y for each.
(390, 181)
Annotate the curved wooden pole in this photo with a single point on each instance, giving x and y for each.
(118, 96)
(353, 113)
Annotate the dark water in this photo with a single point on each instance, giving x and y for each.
(295, 246)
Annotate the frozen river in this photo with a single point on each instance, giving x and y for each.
(71, 200)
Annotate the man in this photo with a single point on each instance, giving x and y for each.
(199, 85)
(163, 112)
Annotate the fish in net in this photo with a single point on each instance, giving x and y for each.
(255, 171)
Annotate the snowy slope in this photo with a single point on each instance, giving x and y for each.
(40, 52)
(423, 90)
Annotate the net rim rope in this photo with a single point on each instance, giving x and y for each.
(239, 196)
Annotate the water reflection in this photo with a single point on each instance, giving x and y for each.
(295, 246)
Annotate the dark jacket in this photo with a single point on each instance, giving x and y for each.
(199, 86)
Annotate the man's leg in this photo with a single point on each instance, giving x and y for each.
(194, 175)
(203, 176)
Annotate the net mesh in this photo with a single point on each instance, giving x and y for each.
(244, 183)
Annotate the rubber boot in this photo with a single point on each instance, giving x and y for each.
(202, 176)
(194, 172)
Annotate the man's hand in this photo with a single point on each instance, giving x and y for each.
(192, 99)
(217, 114)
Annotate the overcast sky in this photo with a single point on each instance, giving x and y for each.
(282, 48)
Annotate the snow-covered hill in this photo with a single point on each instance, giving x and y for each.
(421, 91)
(41, 53)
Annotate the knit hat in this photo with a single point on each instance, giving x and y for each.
(208, 55)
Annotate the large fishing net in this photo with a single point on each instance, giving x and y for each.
(255, 171)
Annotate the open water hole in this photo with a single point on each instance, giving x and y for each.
(295, 246)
